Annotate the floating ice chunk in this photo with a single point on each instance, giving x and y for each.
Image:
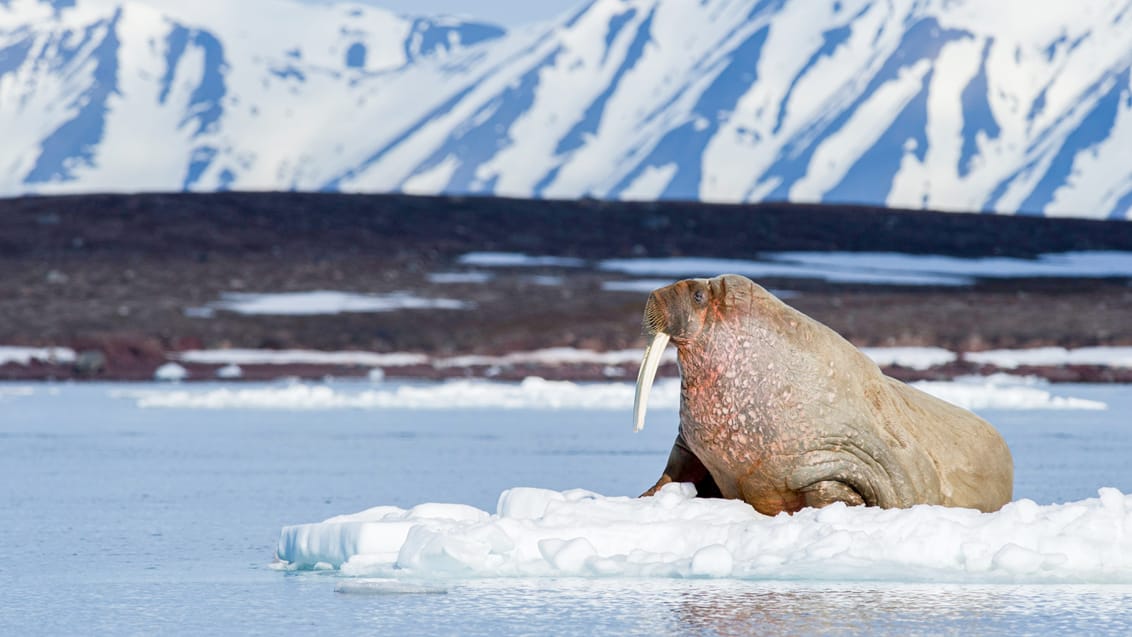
(537, 532)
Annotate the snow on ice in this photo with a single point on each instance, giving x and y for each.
(542, 533)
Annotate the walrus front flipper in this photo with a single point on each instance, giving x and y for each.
(827, 492)
(684, 466)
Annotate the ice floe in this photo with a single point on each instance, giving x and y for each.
(542, 533)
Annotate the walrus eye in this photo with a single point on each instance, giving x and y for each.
(699, 296)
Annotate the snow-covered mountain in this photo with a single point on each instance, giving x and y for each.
(1011, 105)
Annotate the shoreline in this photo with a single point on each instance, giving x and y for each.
(131, 282)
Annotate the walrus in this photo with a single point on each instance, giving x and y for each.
(780, 411)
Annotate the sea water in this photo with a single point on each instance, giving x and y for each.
(121, 519)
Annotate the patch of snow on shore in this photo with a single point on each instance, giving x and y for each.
(171, 372)
(555, 356)
(25, 355)
(684, 267)
(577, 533)
(320, 302)
(460, 277)
(230, 372)
(885, 268)
(517, 260)
(299, 357)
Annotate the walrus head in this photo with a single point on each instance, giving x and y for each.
(683, 312)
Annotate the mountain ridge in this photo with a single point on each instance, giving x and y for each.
(962, 106)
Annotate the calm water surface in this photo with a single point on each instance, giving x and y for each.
(119, 520)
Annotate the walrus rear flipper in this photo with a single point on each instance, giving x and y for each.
(684, 466)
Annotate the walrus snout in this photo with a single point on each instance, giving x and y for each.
(677, 309)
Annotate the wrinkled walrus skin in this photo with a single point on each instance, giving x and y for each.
(780, 411)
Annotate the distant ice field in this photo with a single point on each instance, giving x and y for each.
(537, 394)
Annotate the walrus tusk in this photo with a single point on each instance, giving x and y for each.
(649, 363)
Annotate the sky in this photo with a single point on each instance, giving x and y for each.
(509, 13)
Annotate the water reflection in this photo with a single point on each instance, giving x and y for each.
(898, 609)
(731, 608)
